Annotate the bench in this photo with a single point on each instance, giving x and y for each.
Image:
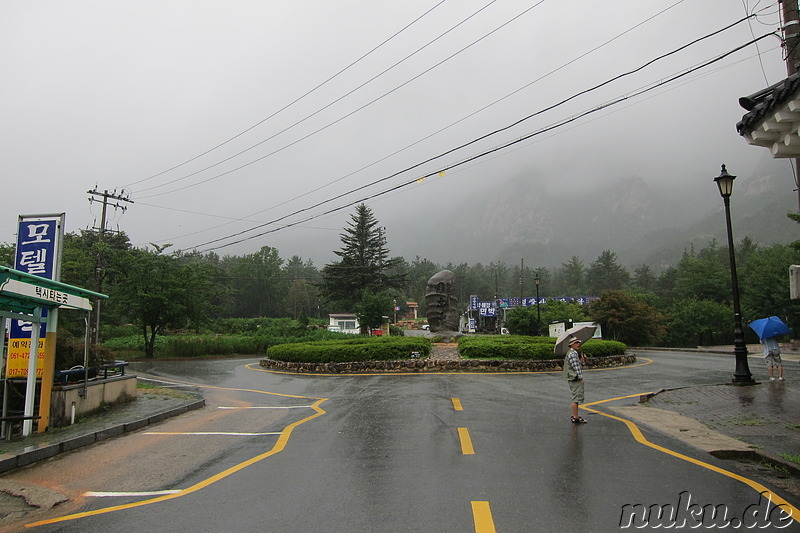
(116, 366)
(77, 373)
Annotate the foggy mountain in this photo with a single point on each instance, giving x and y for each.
(530, 217)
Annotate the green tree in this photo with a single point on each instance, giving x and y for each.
(158, 291)
(625, 317)
(694, 322)
(7, 254)
(364, 264)
(704, 275)
(643, 279)
(371, 309)
(302, 294)
(523, 321)
(560, 311)
(258, 284)
(605, 274)
(764, 285)
(572, 278)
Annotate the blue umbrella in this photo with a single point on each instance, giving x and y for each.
(769, 327)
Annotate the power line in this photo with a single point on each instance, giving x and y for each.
(347, 115)
(290, 104)
(487, 135)
(486, 152)
(487, 106)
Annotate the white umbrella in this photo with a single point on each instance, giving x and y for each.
(582, 333)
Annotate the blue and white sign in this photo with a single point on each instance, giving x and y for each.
(38, 250)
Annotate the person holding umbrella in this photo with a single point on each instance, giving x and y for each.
(768, 330)
(573, 372)
(772, 356)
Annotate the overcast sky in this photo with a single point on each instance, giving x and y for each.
(219, 117)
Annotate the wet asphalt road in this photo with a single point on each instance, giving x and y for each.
(391, 453)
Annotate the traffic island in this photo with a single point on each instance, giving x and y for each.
(437, 365)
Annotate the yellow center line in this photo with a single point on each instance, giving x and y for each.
(457, 404)
(482, 516)
(787, 507)
(466, 442)
(279, 446)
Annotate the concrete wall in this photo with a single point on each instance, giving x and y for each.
(116, 389)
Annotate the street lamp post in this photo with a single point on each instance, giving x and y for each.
(537, 280)
(741, 375)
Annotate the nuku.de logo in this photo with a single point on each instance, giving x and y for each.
(686, 514)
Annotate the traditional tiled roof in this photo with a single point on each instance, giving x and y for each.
(773, 118)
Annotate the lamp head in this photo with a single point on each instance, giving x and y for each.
(725, 183)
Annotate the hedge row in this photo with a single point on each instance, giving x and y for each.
(352, 350)
(521, 347)
(211, 344)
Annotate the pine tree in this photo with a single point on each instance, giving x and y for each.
(364, 265)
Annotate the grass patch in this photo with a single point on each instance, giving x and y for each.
(793, 457)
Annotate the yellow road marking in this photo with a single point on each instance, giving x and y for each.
(281, 443)
(482, 516)
(466, 442)
(457, 404)
(787, 507)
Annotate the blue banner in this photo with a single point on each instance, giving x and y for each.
(37, 246)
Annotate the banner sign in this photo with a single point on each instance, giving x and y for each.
(38, 247)
(507, 303)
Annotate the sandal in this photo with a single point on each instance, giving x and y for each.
(577, 420)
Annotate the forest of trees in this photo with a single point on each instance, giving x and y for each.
(686, 304)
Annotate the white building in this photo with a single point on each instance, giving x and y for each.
(344, 323)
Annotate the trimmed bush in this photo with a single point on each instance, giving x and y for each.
(186, 345)
(351, 350)
(521, 347)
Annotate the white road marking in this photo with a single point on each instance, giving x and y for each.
(91, 494)
(276, 407)
(229, 433)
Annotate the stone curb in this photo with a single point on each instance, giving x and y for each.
(45, 451)
(685, 429)
(428, 365)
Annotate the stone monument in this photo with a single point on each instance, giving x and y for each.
(441, 307)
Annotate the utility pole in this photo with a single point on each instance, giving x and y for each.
(107, 197)
(791, 44)
(521, 280)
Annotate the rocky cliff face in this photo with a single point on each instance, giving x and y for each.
(546, 223)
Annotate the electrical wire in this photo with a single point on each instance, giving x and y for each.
(293, 102)
(505, 128)
(495, 132)
(297, 123)
(752, 34)
(451, 125)
(486, 152)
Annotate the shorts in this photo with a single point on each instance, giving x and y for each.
(773, 359)
(576, 387)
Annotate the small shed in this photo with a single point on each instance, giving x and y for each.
(344, 323)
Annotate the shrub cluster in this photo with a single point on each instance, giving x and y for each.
(247, 343)
(351, 350)
(523, 347)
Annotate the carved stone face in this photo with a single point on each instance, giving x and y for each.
(440, 304)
